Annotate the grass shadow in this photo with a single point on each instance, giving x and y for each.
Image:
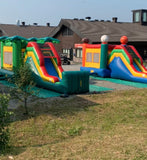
(55, 106)
(14, 151)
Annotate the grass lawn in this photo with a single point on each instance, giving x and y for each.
(108, 126)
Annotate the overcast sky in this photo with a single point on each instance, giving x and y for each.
(43, 11)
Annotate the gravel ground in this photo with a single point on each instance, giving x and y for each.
(107, 84)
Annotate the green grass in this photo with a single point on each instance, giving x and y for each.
(110, 126)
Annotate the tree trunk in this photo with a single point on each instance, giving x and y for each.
(26, 108)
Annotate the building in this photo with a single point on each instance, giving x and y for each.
(71, 31)
(26, 31)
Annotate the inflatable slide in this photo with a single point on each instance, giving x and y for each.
(115, 61)
(125, 63)
(44, 63)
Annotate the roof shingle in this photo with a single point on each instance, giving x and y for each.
(93, 30)
(26, 31)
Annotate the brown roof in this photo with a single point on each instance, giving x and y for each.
(89, 29)
(95, 29)
(26, 31)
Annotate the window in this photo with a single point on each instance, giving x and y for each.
(8, 58)
(89, 57)
(144, 16)
(137, 15)
(96, 58)
(66, 52)
(78, 53)
(67, 31)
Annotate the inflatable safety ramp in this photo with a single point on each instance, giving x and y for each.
(73, 82)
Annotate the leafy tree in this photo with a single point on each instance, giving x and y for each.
(24, 83)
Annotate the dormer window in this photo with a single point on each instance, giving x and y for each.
(140, 16)
(67, 31)
(144, 16)
(136, 16)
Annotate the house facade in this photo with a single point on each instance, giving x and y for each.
(71, 31)
(67, 39)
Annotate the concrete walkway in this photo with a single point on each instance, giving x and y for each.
(72, 67)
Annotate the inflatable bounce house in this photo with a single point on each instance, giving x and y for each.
(44, 62)
(115, 61)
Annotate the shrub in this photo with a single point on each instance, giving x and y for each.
(4, 121)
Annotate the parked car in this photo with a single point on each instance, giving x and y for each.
(64, 59)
